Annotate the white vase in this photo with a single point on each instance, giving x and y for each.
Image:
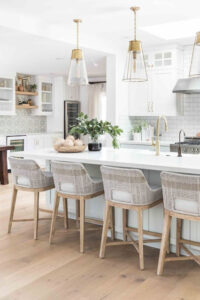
(137, 136)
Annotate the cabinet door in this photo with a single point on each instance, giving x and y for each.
(138, 99)
(163, 98)
(35, 142)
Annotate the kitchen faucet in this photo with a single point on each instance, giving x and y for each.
(157, 143)
(179, 147)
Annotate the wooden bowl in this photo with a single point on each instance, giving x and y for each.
(69, 149)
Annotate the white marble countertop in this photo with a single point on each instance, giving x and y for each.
(129, 158)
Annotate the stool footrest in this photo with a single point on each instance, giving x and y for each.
(28, 220)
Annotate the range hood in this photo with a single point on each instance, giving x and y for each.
(188, 86)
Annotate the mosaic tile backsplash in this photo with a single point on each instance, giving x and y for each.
(22, 122)
(190, 122)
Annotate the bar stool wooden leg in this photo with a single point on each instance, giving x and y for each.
(112, 222)
(54, 215)
(105, 230)
(125, 223)
(164, 243)
(77, 213)
(36, 214)
(140, 238)
(65, 208)
(14, 197)
(82, 223)
(178, 235)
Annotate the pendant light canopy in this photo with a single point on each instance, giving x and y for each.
(77, 70)
(195, 61)
(135, 69)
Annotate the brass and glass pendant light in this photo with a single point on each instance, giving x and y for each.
(195, 61)
(77, 70)
(135, 68)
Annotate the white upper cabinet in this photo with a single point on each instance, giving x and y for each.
(164, 101)
(138, 98)
(7, 95)
(71, 92)
(45, 97)
(155, 97)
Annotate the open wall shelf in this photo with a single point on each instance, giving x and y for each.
(26, 93)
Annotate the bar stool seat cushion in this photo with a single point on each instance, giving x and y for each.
(46, 180)
(70, 188)
(126, 197)
(186, 206)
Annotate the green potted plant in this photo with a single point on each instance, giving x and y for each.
(94, 129)
(136, 132)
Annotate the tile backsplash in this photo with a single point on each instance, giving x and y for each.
(190, 121)
(22, 122)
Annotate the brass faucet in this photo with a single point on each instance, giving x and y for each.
(157, 143)
(179, 146)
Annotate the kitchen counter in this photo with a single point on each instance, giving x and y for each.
(128, 158)
(146, 160)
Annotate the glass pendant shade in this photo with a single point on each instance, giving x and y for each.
(135, 69)
(77, 71)
(195, 61)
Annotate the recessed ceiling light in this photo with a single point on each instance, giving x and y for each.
(174, 30)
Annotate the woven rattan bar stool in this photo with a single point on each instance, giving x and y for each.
(27, 176)
(72, 181)
(129, 190)
(181, 194)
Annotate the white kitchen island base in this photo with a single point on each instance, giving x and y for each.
(127, 158)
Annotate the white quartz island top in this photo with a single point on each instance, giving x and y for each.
(128, 158)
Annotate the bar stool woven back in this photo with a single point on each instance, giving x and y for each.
(27, 173)
(128, 186)
(73, 178)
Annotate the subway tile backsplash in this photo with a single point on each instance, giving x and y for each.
(22, 122)
(190, 121)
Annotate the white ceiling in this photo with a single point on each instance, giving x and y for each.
(106, 22)
(27, 53)
(30, 29)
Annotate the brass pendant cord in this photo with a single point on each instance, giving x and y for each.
(77, 33)
(135, 9)
(135, 25)
(77, 21)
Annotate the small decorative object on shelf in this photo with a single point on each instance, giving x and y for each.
(94, 129)
(29, 101)
(20, 88)
(69, 145)
(32, 88)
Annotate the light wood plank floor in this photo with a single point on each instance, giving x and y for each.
(34, 270)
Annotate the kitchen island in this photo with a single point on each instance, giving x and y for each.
(151, 165)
